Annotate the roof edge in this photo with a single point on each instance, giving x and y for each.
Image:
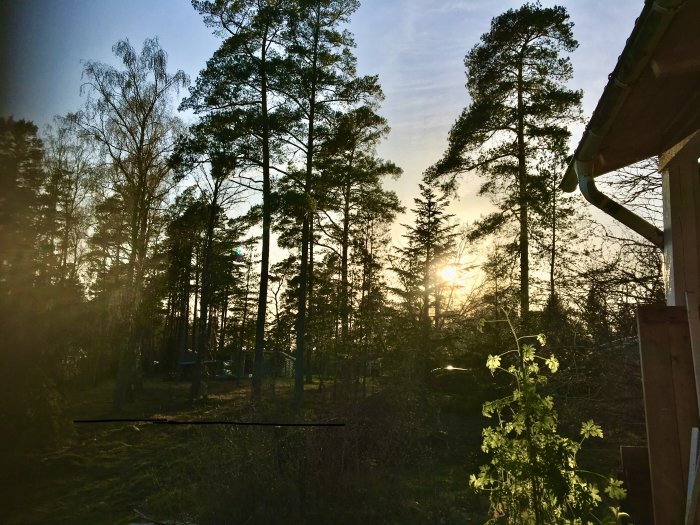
(650, 27)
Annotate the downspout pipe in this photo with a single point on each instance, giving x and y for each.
(586, 182)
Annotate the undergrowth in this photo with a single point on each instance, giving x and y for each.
(533, 476)
(391, 463)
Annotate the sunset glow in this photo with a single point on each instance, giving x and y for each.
(448, 273)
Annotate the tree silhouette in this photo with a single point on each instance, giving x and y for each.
(519, 105)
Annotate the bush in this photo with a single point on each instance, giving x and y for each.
(533, 476)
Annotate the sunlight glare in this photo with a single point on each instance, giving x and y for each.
(448, 273)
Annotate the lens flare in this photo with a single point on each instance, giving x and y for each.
(448, 273)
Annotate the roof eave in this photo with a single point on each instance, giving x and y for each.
(649, 29)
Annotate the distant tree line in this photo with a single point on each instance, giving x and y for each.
(132, 244)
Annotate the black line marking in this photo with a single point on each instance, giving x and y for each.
(165, 421)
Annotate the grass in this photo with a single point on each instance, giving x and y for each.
(401, 458)
(385, 466)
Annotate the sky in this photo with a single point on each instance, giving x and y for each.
(417, 48)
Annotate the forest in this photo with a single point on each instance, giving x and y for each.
(207, 319)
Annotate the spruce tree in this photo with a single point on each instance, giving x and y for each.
(430, 241)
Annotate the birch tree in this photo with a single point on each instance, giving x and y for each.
(130, 113)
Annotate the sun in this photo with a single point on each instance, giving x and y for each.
(448, 273)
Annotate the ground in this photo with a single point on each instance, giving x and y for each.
(402, 457)
(389, 464)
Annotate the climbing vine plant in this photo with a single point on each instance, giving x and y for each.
(533, 476)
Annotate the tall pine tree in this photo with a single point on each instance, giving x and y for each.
(516, 78)
(236, 94)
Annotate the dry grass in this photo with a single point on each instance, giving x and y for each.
(398, 460)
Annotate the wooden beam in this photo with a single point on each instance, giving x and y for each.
(693, 308)
(670, 404)
(671, 154)
(692, 515)
(681, 196)
(693, 490)
(635, 469)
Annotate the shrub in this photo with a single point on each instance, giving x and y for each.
(533, 476)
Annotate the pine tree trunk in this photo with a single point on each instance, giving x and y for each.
(256, 386)
(202, 347)
(523, 237)
(310, 311)
(306, 233)
(301, 311)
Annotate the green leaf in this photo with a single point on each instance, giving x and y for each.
(493, 362)
(480, 325)
(488, 409)
(590, 429)
(548, 402)
(615, 489)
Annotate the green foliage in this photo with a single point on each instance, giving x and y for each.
(533, 476)
(30, 305)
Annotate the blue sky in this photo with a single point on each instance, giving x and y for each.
(415, 46)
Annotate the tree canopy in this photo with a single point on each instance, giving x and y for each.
(520, 109)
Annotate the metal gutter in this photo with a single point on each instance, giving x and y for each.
(655, 19)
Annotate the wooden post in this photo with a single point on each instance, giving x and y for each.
(691, 301)
(692, 515)
(681, 196)
(635, 468)
(670, 405)
(693, 491)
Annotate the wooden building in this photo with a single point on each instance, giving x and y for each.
(651, 107)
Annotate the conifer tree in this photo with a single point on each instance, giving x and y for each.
(352, 190)
(322, 77)
(516, 79)
(430, 240)
(236, 92)
(29, 413)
